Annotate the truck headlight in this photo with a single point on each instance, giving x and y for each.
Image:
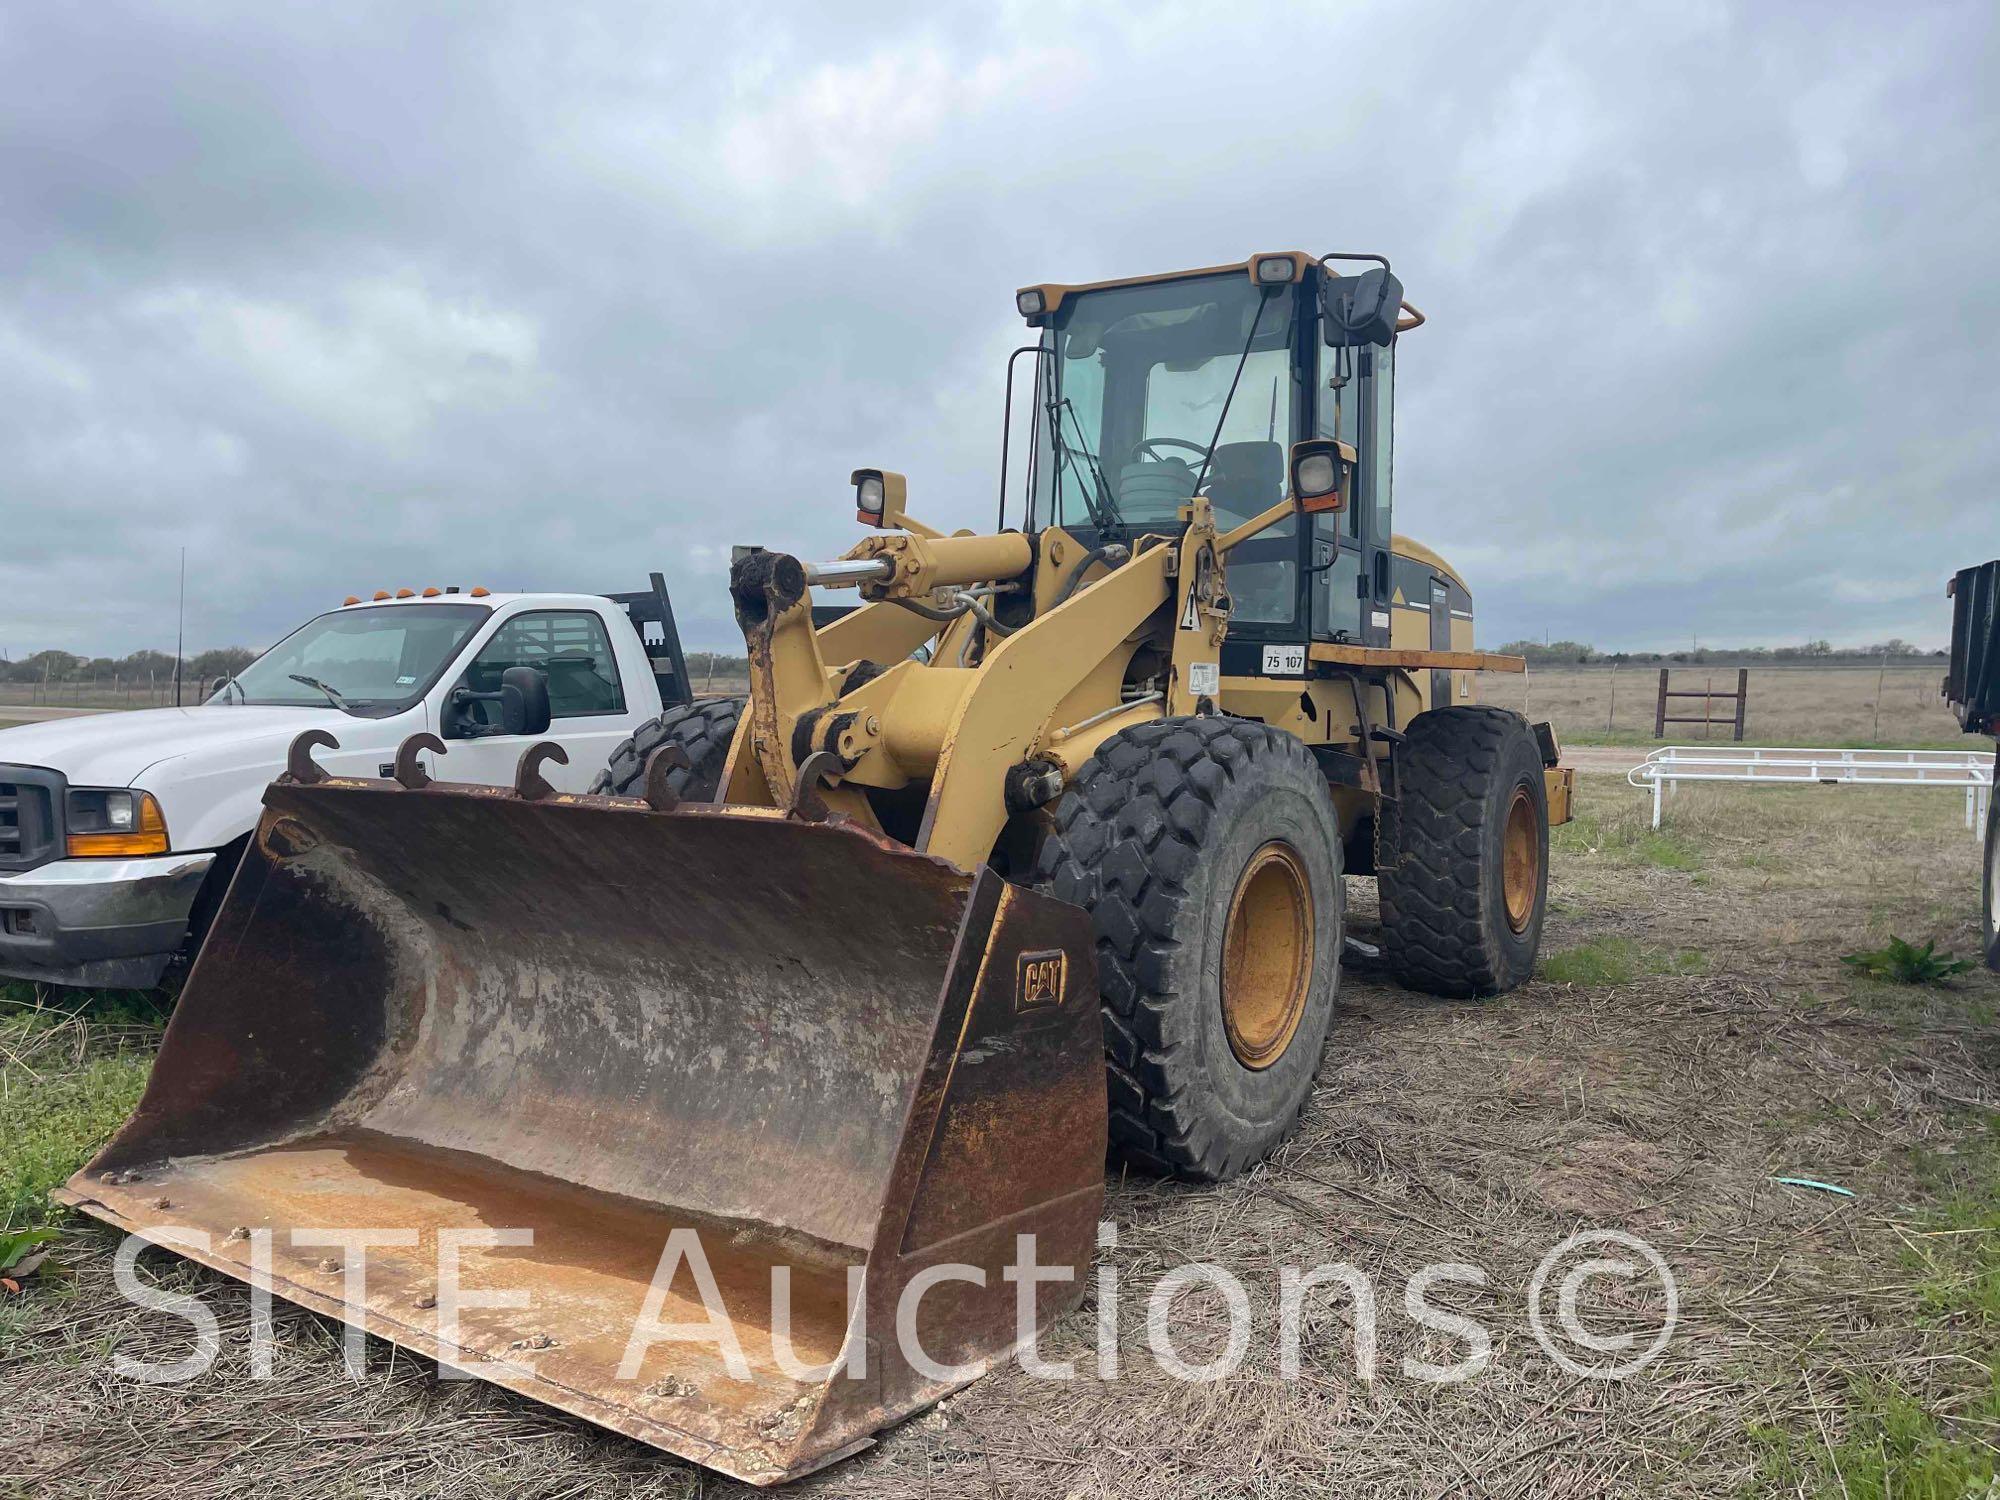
(104, 823)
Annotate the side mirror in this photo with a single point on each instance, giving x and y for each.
(524, 701)
(524, 706)
(1357, 310)
(1322, 471)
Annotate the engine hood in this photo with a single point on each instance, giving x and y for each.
(115, 749)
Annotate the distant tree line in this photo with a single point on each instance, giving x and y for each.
(140, 666)
(55, 667)
(1576, 653)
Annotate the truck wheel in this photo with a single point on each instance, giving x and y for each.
(704, 729)
(1207, 853)
(1463, 859)
(1989, 903)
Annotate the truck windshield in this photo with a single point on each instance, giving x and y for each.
(376, 661)
(1130, 403)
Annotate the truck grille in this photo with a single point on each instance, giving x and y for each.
(29, 798)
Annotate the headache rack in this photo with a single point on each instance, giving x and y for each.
(651, 607)
(1972, 682)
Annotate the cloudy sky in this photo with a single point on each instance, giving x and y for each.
(538, 295)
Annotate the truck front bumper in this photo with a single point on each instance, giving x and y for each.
(109, 922)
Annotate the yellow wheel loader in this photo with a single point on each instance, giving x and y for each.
(720, 1105)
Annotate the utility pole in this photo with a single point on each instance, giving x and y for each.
(180, 629)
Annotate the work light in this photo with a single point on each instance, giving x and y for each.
(1320, 467)
(869, 496)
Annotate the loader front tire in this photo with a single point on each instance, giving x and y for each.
(703, 728)
(1462, 864)
(1208, 854)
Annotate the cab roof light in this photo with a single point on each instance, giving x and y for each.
(381, 593)
(350, 599)
(480, 591)
(432, 592)
(406, 593)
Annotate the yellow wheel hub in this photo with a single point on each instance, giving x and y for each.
(1267, 955)
(1521, 863)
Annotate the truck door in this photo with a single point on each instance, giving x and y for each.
(587, 713)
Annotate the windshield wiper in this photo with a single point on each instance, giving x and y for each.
(313, 682)
(231, 682)
(1104, 512)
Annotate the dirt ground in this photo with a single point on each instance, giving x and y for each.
(1691, 1036)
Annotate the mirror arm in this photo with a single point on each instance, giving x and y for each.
(462, 726)
(1414, 319)
(1271, 517)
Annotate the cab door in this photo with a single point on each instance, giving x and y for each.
(1353, 563)
(1375, 374)
(587, 704)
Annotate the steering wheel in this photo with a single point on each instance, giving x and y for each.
(1146, 445)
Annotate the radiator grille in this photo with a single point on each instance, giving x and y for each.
(10, 820)
(28, 802)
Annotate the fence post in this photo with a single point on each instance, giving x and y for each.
(1660, 714)
(1742, 699)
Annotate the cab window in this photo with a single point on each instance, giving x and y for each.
(570, 646)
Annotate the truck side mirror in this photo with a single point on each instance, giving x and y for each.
(1357, 310)
(524, 701)
(523, 698)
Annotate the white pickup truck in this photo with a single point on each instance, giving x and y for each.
(119, 831)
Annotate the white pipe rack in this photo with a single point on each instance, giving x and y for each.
(1968, 770)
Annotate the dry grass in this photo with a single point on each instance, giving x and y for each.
(1659, 1095)
(1822, 706)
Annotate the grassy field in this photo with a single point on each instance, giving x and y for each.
(93, 695)
(1821, 706)
(1691, 1035)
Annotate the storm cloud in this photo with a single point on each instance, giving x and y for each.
(343, 297)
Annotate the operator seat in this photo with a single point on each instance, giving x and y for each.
(1152, 490)
(1244, 479)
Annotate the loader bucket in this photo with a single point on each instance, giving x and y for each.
(436, 1013)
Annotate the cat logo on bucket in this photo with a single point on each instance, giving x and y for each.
(1044, 977)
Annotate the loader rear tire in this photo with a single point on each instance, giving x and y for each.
(1208, 854)
(1463, 859)
(703, 729)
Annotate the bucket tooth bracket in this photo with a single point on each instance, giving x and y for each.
(529, 784)
(807, 804)
(409, 771)
(659, 765)
(300, 767)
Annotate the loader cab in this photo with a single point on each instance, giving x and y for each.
(1149, 389)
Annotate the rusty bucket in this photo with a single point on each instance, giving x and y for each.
(519, 1041)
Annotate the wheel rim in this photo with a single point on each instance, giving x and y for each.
(1521, 863)
(1267, 955)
